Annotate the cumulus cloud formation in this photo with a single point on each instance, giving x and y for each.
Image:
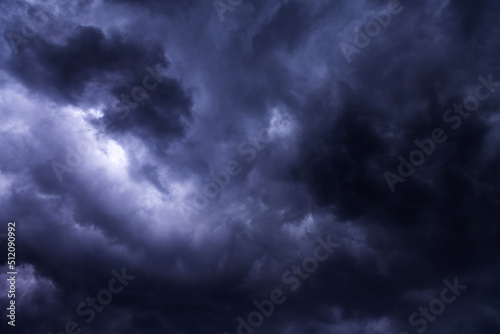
(283, 166)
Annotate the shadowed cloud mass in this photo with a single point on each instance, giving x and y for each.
(116, 115)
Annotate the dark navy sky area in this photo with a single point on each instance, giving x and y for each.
(251, 166)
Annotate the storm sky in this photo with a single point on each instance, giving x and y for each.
(204, 146)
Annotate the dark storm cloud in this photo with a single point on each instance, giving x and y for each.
(88, 61)
(343, 161)
(157, 7)
(219, 84)
(67, 69)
